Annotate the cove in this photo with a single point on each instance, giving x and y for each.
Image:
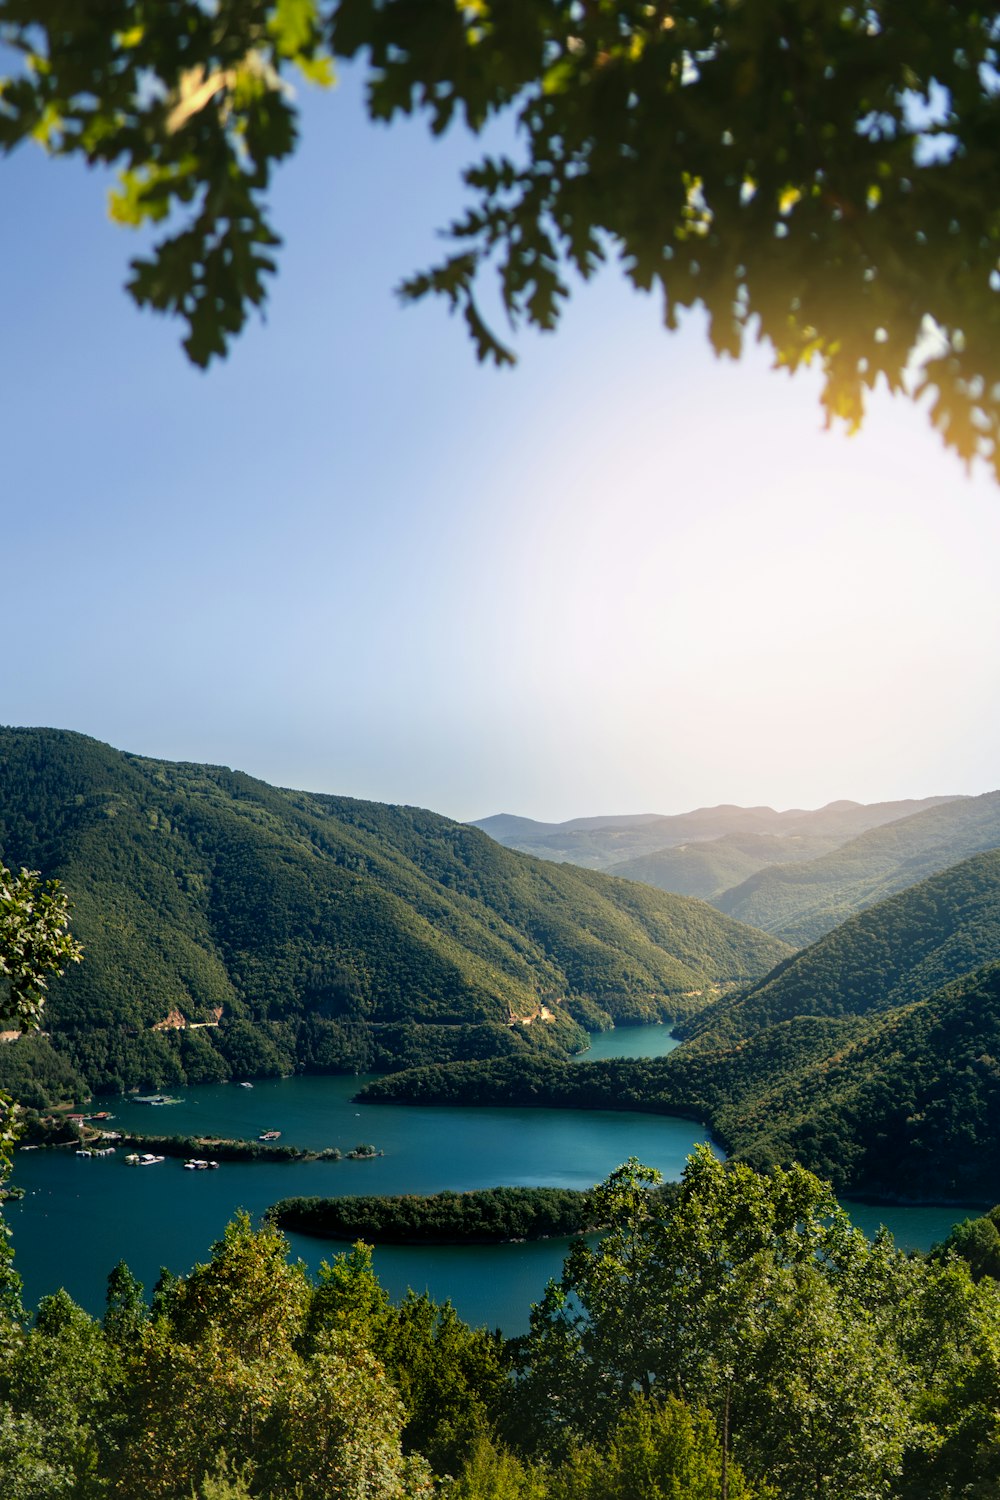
(80, 1216)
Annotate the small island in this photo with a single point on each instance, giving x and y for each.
(218, 1148)
(491, 1216)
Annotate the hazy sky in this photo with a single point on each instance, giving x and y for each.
(625, 577)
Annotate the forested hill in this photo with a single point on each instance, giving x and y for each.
(710, 867)
(800, 902)
(300, 930)
(897, 952)
(900, 1105)
(873, 1057)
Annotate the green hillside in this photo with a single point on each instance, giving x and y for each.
(292, 930)
(905, 1105)
(800, 902)
(899, 951)
(708, 868)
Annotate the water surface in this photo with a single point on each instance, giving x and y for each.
(80, 1216)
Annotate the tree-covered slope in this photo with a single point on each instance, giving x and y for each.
(800, 902)
(872, 1057)
(894, 953)
(708, 868)
(297, 930)
(901, 1105)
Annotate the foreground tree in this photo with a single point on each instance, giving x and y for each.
(35, 943)
(822, 175)
(221, 1395)
(751, 1296)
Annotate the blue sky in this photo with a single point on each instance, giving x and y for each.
(625, 577)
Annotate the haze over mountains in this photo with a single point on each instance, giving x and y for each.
(794, 874)
(604, 843)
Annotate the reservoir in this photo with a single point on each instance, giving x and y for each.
(81, 1215)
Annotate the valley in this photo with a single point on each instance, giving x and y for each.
(369, 1020)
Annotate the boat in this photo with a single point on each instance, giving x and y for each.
(245, 1085)
(143, 1159)
(269, 1135)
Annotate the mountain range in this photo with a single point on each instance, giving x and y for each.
(794, 874)
(602, 843)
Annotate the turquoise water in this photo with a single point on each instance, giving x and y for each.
(80, 1215)
(655, 1041)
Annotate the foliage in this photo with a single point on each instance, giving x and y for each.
(735, 1338)
(661, 1452)
(490, 1471)
(754, 1297)
(450, 1377)
(218, 1387)
(34, 943)
(487, 1216)
(825, 180)
(126, 1313)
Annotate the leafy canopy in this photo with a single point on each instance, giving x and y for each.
(819, 174)
(34, 942)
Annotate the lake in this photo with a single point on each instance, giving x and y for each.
(80, 1216)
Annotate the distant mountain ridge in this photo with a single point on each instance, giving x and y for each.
(795, 874)
(232, 928)
(800, 902)
(604, 842)
(710, 867)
